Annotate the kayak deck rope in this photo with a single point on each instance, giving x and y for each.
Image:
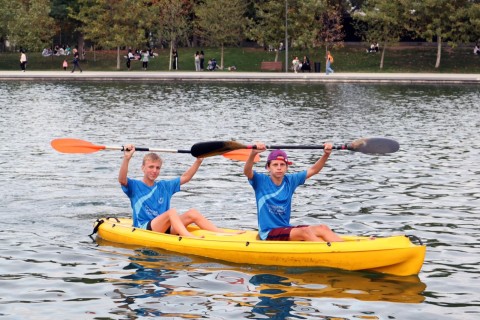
(414, 239)
(98, 223)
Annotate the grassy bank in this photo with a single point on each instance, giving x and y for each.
(351, 58)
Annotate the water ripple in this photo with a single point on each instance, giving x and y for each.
(429, 188)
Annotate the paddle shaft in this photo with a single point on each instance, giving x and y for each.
(122, 148)
(345, 146)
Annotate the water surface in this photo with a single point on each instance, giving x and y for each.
(50, 268)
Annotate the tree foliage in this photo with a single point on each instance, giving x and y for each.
(172, 21)
(221, 22)
(329, 29)
(24, 19)
(34, 24)
(113, 24)
(267, 26)
(438, 20)
(381, 21)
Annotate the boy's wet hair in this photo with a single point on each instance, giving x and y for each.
(152, 157)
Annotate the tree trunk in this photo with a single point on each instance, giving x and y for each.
(276, 55)
(170, 56)
(439, 51)
(118, 57)
(383, 55)
(81, 45)
(221, 59)
(326, 57)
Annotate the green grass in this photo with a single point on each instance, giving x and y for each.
(351, 58)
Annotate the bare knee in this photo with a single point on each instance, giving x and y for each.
(303, 234)
(321, 229)
(191, 216)
(171, 213)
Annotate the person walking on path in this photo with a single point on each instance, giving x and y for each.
(145, 58)
(23, 60)
(75, 62)
(274, 193)
(329, 63)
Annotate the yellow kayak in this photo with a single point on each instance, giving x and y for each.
(393, 255)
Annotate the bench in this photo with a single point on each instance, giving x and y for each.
(271, 66)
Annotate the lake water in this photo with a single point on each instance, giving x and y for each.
(51, 269)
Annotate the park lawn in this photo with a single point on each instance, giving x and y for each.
(351, 58)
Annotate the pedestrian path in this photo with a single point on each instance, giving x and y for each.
(337, 77)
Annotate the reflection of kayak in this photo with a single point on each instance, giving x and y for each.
(393, 255)
(263, 281)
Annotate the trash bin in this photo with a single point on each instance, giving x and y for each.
(317, 67)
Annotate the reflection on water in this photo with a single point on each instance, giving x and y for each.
(429, 188)
(157, 280)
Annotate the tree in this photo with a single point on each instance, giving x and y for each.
(172, 22)
(438, 20)
(473, 16)
(24, 19)
(221, 22)
(382, 22)
(329, 29)
(113, 24)
(66, 25)
(265, 27)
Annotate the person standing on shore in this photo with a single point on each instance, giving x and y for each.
(130, 57)
(202, 60)
(145, 58)
(197, 61)
(329, 63)
(23, 60)
(76, 57)
(175, 60)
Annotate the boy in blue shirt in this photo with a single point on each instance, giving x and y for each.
(150, 199)
(274, 194)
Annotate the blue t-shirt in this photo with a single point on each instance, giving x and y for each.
(274, 203)
(149, 202)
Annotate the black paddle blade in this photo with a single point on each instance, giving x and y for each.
(374, 145)
(215, 148)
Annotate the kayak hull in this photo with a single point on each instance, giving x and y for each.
(392, 255)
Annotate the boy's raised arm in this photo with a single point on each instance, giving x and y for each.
(127, 155)
(188, 175)
(248, 168)
(317, 166)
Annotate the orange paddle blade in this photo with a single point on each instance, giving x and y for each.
(241, 155)
(68, 145)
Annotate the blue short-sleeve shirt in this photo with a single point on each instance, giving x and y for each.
(150, 202)
(274, 203)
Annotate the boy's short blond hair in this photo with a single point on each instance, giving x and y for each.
(152, 157)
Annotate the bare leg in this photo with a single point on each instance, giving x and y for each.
(171, 219)
(193, 216)
(324, 232)
(314, 233)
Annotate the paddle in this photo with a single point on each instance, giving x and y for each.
(363, 145)
(199, 150)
